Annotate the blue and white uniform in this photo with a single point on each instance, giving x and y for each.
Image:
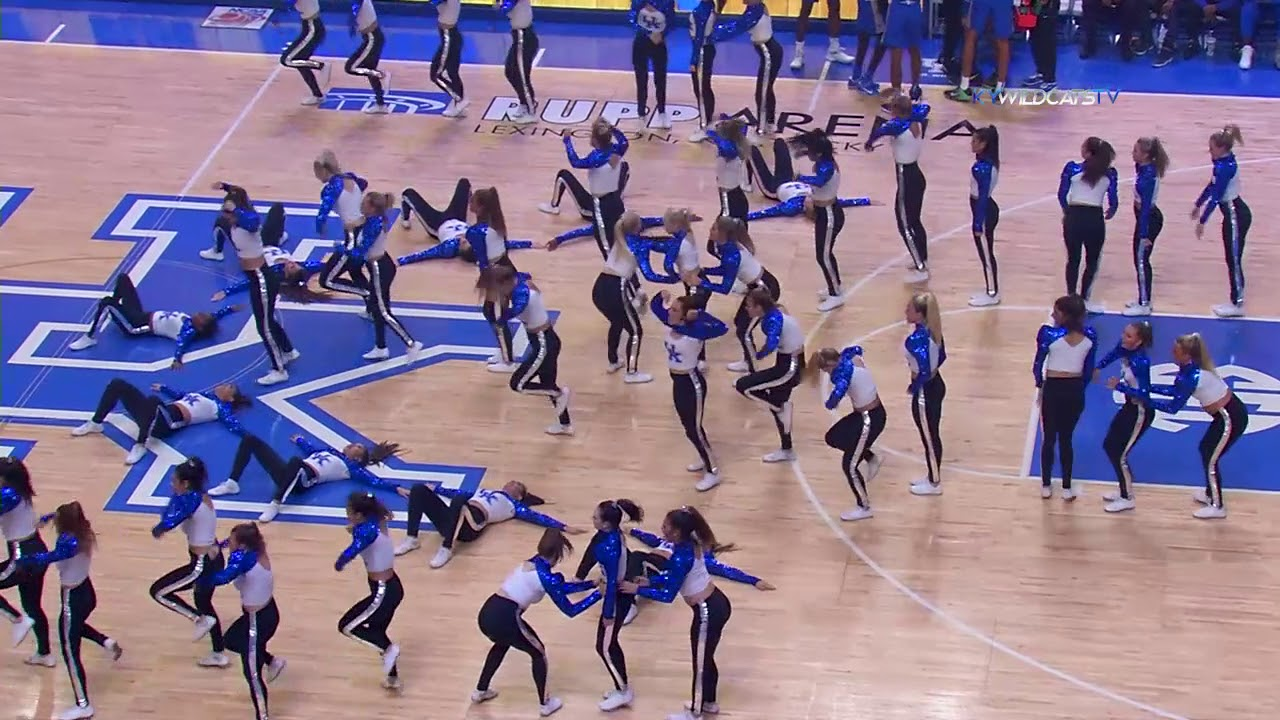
(448, 58)
(600, 200)
(702, 23)
(158, 416)
(520, 56)
(731, 176)
(18, 525)
(1132, 420)
(652, 20)
(298, 54)
(685, 344)
(925, 356)
(771, 387)
(1061, 371)
(198, 521)
(756, 22)
(855, 433)
(315, 465)
(452, 235)
(367, 621)
(608, 549)
(364, 61)
(984, 176)
(541, 365)
(655, 562)
(828, 220)
(278, 261)
(1223, 193)
(1149, 223)
(739, 265)
(260, 617)
(1083, 223)
(906, 146)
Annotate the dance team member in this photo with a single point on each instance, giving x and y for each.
(293, 275)
(732, 179)
(870, 28)
(1063, 365)
(926, 353)
(453, 244)
(601, 200)
(191, 510)
(772, 386)
(264, 287)
(854, 434)
(160, 416)
(655, 561)
(298, 53)
(1197, 378)
(72, 554)
(448, 58)
(755, 20)
(1134, 417)
(834, 52)
(608, 549)
(904, 29)
(738, 264)
(367, 621)
(249, 567)
(124, 308)
(437, 222)
(536, 375)
(488, 241)
(364, 61)
(828, 215)
(1080, 193)
(467, 515)
(501, 617)
(272, 231)
(22, 539)
(906, 138)
(702, 25)
(686, 575)
(1150, 163)
(780, 184)
(343, 193)
(1223, 192)
(984, 175)
(519, 62)
(689, 327)
(298, 474)
(371, 248)
(652, 21)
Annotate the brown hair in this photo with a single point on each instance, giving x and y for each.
(1227, 137)
(69, 519)
(691, 526)
(677, 220)
(734, 130)
(601, 134)
(553, 546)
(368, 507)
(1145, 335)
(380, 201)
(248, 535)
(761, 298)
(1099, 155)
(825, 356)
(734, 230)
(900, 105)
(493, 278)
(611, 511)
(1154, 149)
(1073, 311)
(488, 209)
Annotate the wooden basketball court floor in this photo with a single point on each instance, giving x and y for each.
(986, 603)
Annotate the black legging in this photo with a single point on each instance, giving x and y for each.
(30, 584)
(603, 211)
(537, 373)
(248, 637)
(446, 63)
(828, 221)
(196, 575)
(1044, 41)
(853, 435)
(1236, 220)
(689, 394)
(705, 97)
(766, 180)
(743, 322)
(985, 242)
(502, 621)
(367, 621)
(145, 410)
(1142, 253)
(289, 476)
(908, 205)
(734, 204)
(1061, 404)
(264, 288)
(339, 264)
(1227, 426)
(458, 521)
(271, 232)
(382, 272)
(926, 412)
(412, 205)
(1127, 428)
(645, 52)
(124, 308)
(364, 61)
(614, 298)
(1083, 229)
(607, 645)
(501, 331)
(709, 618)
(78, 604)
(298, 55)
(766, 75)
(772, 387)
(519, 66)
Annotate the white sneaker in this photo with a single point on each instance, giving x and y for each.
(1227, 310)
(838, 55)
(1070, 494)
(523, 117)
(79, 712)
(548, 208)
(1208, 512)
(1246, 57)
(389, 659)
(856, 514)
(661, 121)
(87, 428)
(311, 101)
(617, 699)
(479, 696)
(1094, 308)
(408, 545)
(113, 649)
(136, 453)
(83, 342)
(916, 277)
(203, 625)
(707, 708)
(687, 714)
(42, 660)
(779, 456)
(214, 660)
(211, 254)
(1046, 491)
(376, 109)
(631, 615)
(20, 630)
(637, 378)
(708, 481)
(275, 377)
(695, 467)
(1201, 497)
(456, 109)
(984, 300)
(1111, 496)
(873, 467)
(270, 512)
(392, 683)
(831, 303)
(1136, 310)
(550, 706)
(562, 402)
(737, 366)
(413, 352)
(558, 429)
(501, 367)
(276, 668)
(226, 487)
(797, 62)
(377, 354)
(292, 355)
(1119, 505)
(697, 136)
(442, 557)
(612, 368)
(494, 358)
(924, 488)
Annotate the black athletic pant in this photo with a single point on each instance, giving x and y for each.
(734, 204)
(298, 55)
(908, 206)
(367, 621)
(145, 410)
(502, 621)
(382, 272)
(1142, 252)
(412, 204)
(196, 576)
(743, 322)
(124, 308)
(705, 97)
(772, 387)
(709, 618)
(501, 331)
(645, 52)
(248, 637)
(1044, 41)
(289, 476)
(853, 435)
(1236, 220)
(1083, 230)
(1227, 426)
(614, 298)
(271, 233)
(1127, 427)
(339, 264)
(446, 63)
(364, 61)
(985, 242)
(519, 66)
(952, 32)
(603, 211)
(766, 180)
(828, 221)
(264, 288)
(926, 412)
(537, 373)
(689, 393)
(766, 75)
(607, 645)
(73, 626)
(30, 584)
(1061, 404)
(458, 521)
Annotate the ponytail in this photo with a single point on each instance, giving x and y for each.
(1155, 152)
(553, 546)
(926, 303)
(1100, 156)
(1227, 137)
(1194, 345)
(677, 220)
(326, 166)
(821, 358)
(612, 511)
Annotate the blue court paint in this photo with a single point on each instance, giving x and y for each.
(10, 199)
(1247, 353)
(45, 383)
(403, 102)
(16, 449)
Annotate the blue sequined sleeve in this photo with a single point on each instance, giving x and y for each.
(1091, 357)
(608, 553)
(519, 302)
(854, 202)
(1183, 385)
(446, 250)
(65, 549)
(478, 237)
(1145, 190)
(641, 247)
(620, 143)
(1064, 183)
(823, 171)
(1114, 354)
(703, 327)
(724, 147)
(789, 208)
(665, 586)
(519, 244)
(575, 234)
(1044, 339)
(328, 197)
(728, 572)
(982, 177)
(659, 310)
(227, 416)
(9, 499)
(772, 327)
(917, 346)
(363, 474)
(506, 6)
(369, 234)
(306, 446)
(596, 158)
(1140, 366)
(362, 536)
(730, 260)
(1224, 169)
(529, 515)
(558, 589)
(889, 128)
(185, 335)
(1113, 193)
(168, 393)
(742, 24)
(180, 508)
(842, 376)
(240, 562)
(647, 538)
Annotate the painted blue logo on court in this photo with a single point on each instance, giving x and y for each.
(10, 199)
(17, 449)
(45, 383)
(1247, 353)
(406, 102)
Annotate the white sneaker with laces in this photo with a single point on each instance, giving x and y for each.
(270, 513)
(479, 696)
(211, 254)
(617, 699)
(779, 456)
(1136, 310)
(377, 109)
(226, 487)
(501, 367)
(1119, 505)
(925, 488)
(550, 706)
(292, 355)
(456, 109)
(708, 481)
(523, 117)
(637, 378)
(84, 342)
(113, 649)
(408, 545)
(1070, 494)
(136, 453)
(1228, 310)
(856, 514)
(275, 377)
(836, 54)
(79, 712)
(377, 354)
(214, 660)
(707, 708)
(797, 61)
(661, 121)
(916, 277)
(203, 625)
(982, 299)
(442, 557)
(392, 683)
(1111, 496)
(737, 366)
(87, 428)
(1208, 512)
(42, 660)
(548, 208)
(831, 303)
(559, 429)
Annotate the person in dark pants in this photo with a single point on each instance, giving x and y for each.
(1187, 18)
(20, 527)
(952, 37)
(1129, 15)
(1044, 46)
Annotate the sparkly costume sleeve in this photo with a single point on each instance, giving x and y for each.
(446, 250)
(728, 572)
(1113, 193)
(772, 327)
(328, 196)
(823, 171)
(362, 536)
(168, 393)
(703, 327)
(633, 14)
(519, 302)
(742, 24)
(608, 553)
(240, 562)
(180, 508)
(918, 347)
(620, 143)
(185, 335)
(1224, 169)
(842, 375)
(575, 234)
(659, 310)
(307, 447)
(647, 538)
(730, 259)
(1114, 354)
(506, 6)
(9, 499)
(982, 177)
(519, 244)
(227, 416)
(641, 247)
(890, 128)
(854, 202)
(1044, 339)
(558, 590)
(665, 586)
(529, 515)
(65, 549)
(369, 235)
(596, 158)
(1064, 183)
(724, 148)
(1145, 190)
(789, 208)
(1183, 385)
(1090, 358)
(363, 474)
(1140, 366)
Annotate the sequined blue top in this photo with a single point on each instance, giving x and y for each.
(357, 469)
(725, 147)
(704, 325)
(478, 238)
(1048, 335)
(188, 332)
(519, 298)
(641, 247)
(362, 536)
(771, 325)
(597, 157)
(176, 512)
(823, 171)
(714, 566)
(66, 548)
(331, 191)
(751, 15)
(247, 219)
(523, 512)
(226, 414)
(587, 231)
(981, 172)
(239, 562)
(795, 206)
(559, 589)
(842, 375)
(898, 125)
(665, 586)
(1224, 171)
(452, 248)
(1144, 187)
(919, 345)
(9, 499)
(608, 549)
(1184, 384)
(1138, 364)
(730, 259)
(369, 233)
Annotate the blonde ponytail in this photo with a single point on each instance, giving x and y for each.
(1194, 345)
(1227, 137)
(926, 303)
(326, 166)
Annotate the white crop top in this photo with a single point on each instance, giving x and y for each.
(620, 261)
(74, 570)
(248, 244)
(749, 268)
(200, 408)
(497, 506)
(379, 247)
(348, 203)
(168, 324)
(687, 260)
(762, 31)
(534, 314)
(906, 146)
(524, 586)
(19, 523)
(380, 555)
(201, 528)
(792, 190)
(274, 256)
(827, 193)
(862, 387)
(792, 340)
(448, 12)
(604, 179)
(307, 8)
(1066, 358)
(1210, 389)
(495, 245)
(521, 15)
(682, 351)
(651, 19)
(973, 183)
(256, 586)
(327, 466)
(730, 174)
(453, 230)
(1082, 193)
(366, 16)
(698, 578)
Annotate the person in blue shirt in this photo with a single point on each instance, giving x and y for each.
(757, 24)
(904, 29)
(1150, 162)
(367, 621)
(1134, 418)
(652, 20)
(983, 177)
(608, 549)
(926, 351)
(1223, 193)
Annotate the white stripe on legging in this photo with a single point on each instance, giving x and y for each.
(634, 332)
(1237, 259)
(69, 655)
(362, 53)
(700, 397)
(524, 73)
(124, 322)
(376, 602)
(701, 618)
(384, 309)
(828, 249)
(308, 36)
(1211, 468)
(750, 391)
(851, 469)
(185, 583)
(534, 364)
(900, 205)
(264, 327)
(442, 72)
(1126, 474)
(933, 463)
(251, 662)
